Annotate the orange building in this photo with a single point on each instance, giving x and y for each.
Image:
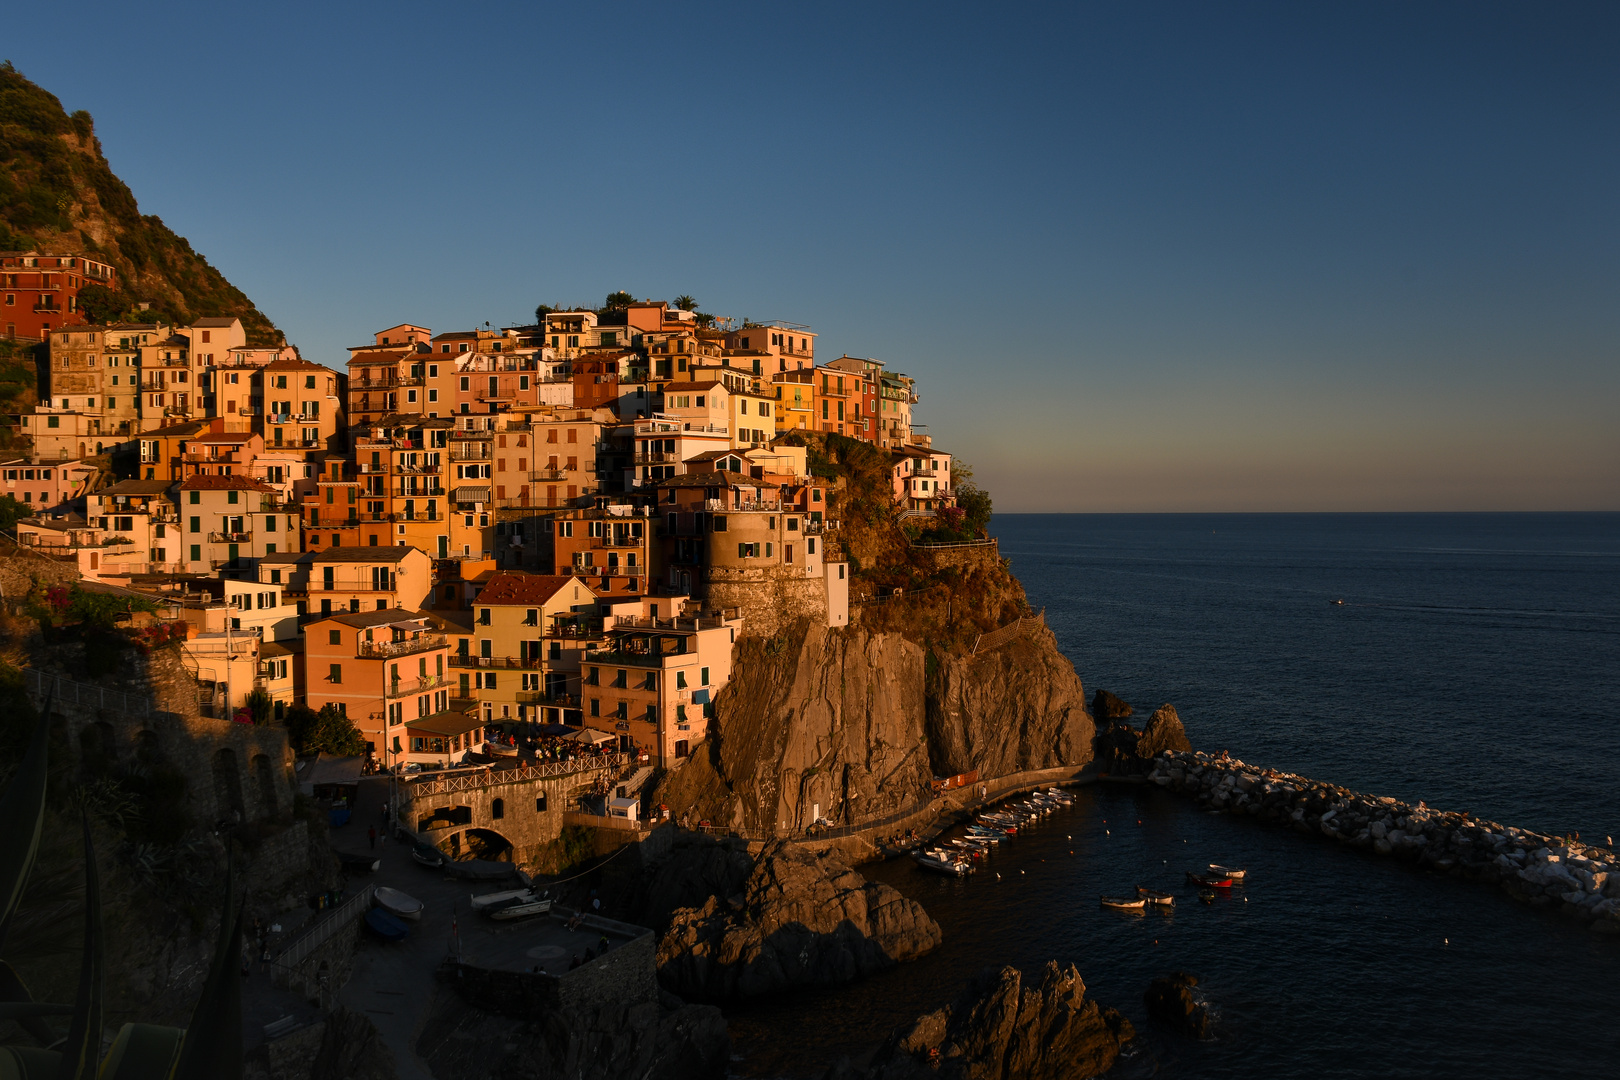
(39, 291)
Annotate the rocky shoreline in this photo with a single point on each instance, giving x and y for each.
(1581, 880)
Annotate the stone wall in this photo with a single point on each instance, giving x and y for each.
(624, 975)
(976, 555)
(232, 771)
(769, 599)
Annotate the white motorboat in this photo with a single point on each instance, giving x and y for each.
(521, 907)
(945, 865)
(396, 903)
(495, 899)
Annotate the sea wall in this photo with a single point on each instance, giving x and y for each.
(1581, 880)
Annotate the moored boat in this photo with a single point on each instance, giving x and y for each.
(1226, 872)
(427, 855)
(520, 907)
(385, 926)
(1209, 882)
(496, 899)
(1153, 896)
(1124, 903)
(396, 903)
(954, 867)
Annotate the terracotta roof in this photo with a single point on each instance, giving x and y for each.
(706, 384)
(715, 479)
(295, 363)
(378, 617)
(511, 587)
(136, 487)
(362, 554)
(225, 483)
(225, 437)
(188, 427)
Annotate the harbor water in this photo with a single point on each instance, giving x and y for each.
(1474, 663)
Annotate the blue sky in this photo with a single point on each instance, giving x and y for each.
(1139, 257)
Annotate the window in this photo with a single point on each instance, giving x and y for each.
(196, 526)
(703, 676)
(196, 497)
(497, 808)
(196, 552)
(231, 496)
(720, 525)
(680, 680)
(334, 637)
(540, 804)
(335, 674)
(483, 616)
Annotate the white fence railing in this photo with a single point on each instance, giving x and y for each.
(1015, 629)
(344, 915)
(476, 779)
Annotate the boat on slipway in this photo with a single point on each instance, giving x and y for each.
(385, 926)
(398, 904)
(942, 862)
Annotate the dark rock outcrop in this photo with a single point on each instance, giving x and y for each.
(665, 1040)
(802, 919)
(1105, 706)
(1172, 1000)
(1005, 1027)
(1121, 749)
(1163, 732)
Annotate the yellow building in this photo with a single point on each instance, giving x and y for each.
(529, 631)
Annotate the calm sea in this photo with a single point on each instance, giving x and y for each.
(1474, 663)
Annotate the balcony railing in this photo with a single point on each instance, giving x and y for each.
(230, 537)
(419, 643)
(513, 662)
(364, 586)
(610, 570)
(546, 698)
(644, 622)
(475, 453)
(661, 458)
(548, 474)
(406, 687)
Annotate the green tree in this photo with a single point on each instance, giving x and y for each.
(260, 704)
(541, 311)
(101, 304)
(686, 303)
(617, 301)
(12, 511)
(324, 732)
(973, 500)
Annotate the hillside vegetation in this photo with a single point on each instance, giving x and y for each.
(57, 193)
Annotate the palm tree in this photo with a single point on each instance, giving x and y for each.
(686, 303)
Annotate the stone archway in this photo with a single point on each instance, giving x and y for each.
(487, 844)
(444, 817)
(228, 787)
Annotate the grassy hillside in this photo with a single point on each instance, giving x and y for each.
(58, 193)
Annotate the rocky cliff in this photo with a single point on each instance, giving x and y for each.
(851, 725)
(1005, 1026)
(802, 919)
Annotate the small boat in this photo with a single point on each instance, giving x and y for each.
(954, 867)
(401, 905)
(496, 899)
(1153, 896)
(1209, 882)
(520, 907)
(427, 855)
(1337, 603)
(1226, 872)
(385, 926)
(1124, 903)
(1207, 895)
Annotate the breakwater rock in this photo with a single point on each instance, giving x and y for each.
(1581, 880)
(1004, 1026)
(802, 919)
(1175, 1001)
(1122, 750)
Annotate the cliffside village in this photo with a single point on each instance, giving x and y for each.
(558, 528)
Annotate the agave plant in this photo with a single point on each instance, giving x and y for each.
(209, 1048)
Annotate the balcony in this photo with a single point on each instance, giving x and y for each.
(473, 453)
(419, 643)
(645, 622)
(610, 570)
(407, 687)
(546, 698)
(622, 658)
(418, 493)
(365, 586)
(663, 458)
(548, 474)
(230, 537)
(516, 663)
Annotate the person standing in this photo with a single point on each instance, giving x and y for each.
(371, 834)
